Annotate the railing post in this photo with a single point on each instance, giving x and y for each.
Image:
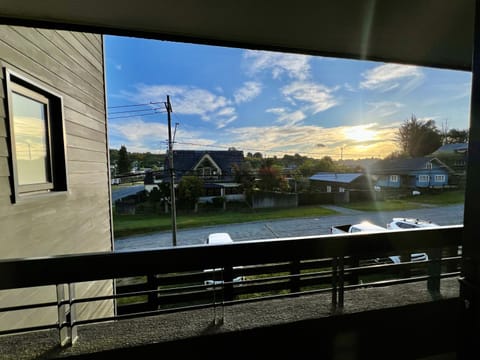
(62, 310)
(334, 283)
(72, 314)
(295, 280)
(434, 271)
(228, 283)
(341, 282)
(152, 296)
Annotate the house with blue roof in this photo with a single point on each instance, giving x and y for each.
(415, 173)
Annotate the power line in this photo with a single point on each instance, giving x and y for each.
(124, 106)
(131, 116)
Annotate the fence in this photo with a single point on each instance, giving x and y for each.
(172, 279)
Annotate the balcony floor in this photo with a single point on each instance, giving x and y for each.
(292, 324)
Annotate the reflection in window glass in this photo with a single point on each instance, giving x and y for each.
(31, 146)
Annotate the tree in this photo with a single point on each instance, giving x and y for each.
(190, 188)
(454, 136)
(123, 162)
(419, 137)
(271, 178)
(243, 174)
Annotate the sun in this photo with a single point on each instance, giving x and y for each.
(359, 133)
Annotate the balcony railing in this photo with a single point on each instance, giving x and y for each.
(175, 278)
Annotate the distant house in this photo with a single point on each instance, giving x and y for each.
(422, 173)
(455, 156)
(214, 167)
(339, 182)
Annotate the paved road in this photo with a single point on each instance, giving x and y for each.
(446, 215)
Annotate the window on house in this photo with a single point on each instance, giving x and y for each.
(393, 178)
(423, 178)
(36, 137)
(439, 178)
(428, 165)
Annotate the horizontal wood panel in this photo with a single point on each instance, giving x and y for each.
(59, 74)
(78, 167)
(81, 131)
(86, 155)
(72, 40)
(71, 94)
(4, 167)
(73, 116)
(3, 147)
(83, 143)
(63, 58)
(92, 48)
(67, 48)
(88, 179)
(5, 188)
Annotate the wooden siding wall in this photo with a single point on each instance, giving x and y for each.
(77, 221)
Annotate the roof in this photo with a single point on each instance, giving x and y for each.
(421, 32)
(345, 178)
(404, 166)
(186, 160)
(452, 148)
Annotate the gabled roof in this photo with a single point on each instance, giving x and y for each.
(187, 160)
(405, 166)
(344, 178)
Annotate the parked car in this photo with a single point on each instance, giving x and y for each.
(399, 223)
(409, 223)
(216, 239)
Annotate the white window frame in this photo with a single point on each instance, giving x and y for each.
(423, 178)
(440, 178)
(393, 178)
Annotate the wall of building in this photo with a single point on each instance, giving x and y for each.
(66, 222)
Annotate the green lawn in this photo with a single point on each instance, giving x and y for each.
(125, 225)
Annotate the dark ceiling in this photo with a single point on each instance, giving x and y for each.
(424, 32)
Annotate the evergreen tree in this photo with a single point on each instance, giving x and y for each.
(123, 163)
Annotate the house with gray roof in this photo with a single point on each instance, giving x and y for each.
(339, 182)
(416, 173)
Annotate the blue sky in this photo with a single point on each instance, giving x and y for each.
(270, 102)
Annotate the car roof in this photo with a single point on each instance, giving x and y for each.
(417, 222)
(219, 238)
(368, 227)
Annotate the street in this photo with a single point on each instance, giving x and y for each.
(270, 229)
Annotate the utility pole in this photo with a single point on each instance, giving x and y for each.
(168, 106)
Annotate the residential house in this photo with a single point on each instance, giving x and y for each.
(456, 157)
(416, 173)
(54, 162)
(214, 167)
(339, 182)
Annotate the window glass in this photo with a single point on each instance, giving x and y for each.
(31, 140)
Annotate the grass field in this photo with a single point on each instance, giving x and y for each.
(125, 225)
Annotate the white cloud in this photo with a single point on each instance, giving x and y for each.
(275, 140)
(384, 108)
(316, 96)
(292, 65)
(187, 100)
(247, 92)
(387, 77)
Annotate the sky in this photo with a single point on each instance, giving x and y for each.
(270, 102)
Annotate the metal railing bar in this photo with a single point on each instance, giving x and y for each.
(28, 306)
